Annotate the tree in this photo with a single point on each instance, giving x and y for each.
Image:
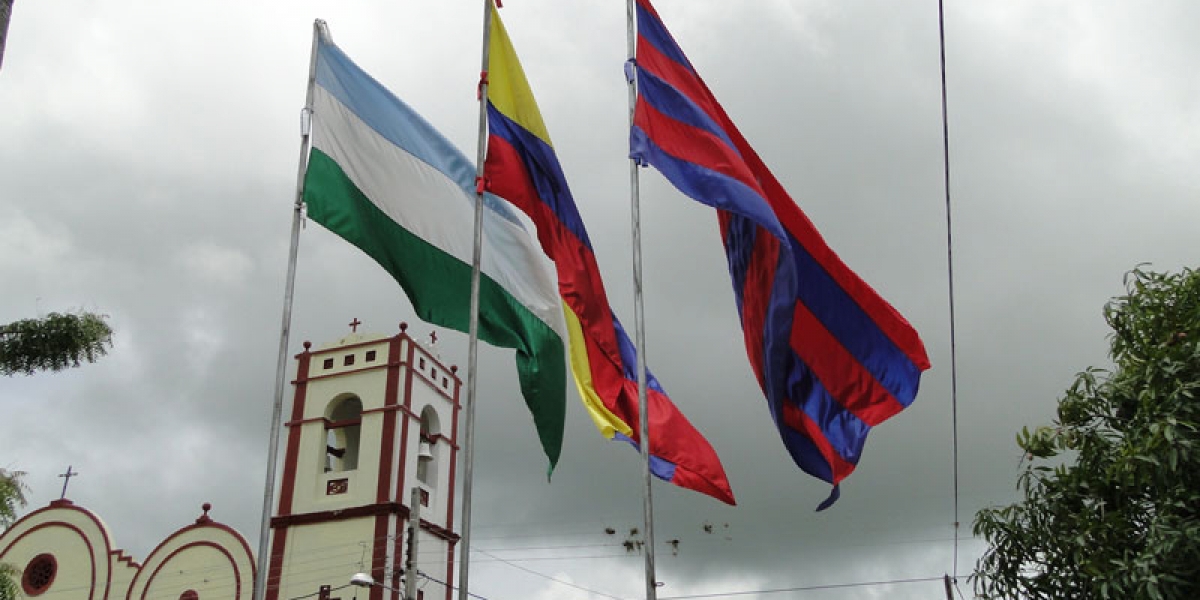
(1112, 488)
(54, 342)
(12, 498)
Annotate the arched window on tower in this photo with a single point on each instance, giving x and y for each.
(428, 449)
(343, 424)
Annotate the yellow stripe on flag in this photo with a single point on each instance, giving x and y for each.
(507, 88)
(605, 420)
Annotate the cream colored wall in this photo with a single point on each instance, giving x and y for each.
(331, 552)
(431, 560)
(208, 558)
(424, 394)
(368, 386)
(325, 553)
(65, 533)
(123, 572)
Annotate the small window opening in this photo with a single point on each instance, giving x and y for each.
(427, 453)
(342, 430)
(370, 356)
(39, 574)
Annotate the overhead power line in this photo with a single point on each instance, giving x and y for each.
(807, 588)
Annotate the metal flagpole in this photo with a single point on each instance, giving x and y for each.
(5, 15)
(464, 567)
(639, 314)
(264, 538)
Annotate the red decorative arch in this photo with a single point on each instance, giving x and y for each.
(83, 536)
(210, 524)
(237, 575)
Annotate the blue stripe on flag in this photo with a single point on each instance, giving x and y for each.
(705, 185)
(629, 359)
(670, 101)
(539, 157)
(650, 28)
(396, 122)
(853, 328)
(659, 467)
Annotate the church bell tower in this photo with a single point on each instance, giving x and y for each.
(373, 418)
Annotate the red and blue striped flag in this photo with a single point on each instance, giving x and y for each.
(522, 167)
(833, 358)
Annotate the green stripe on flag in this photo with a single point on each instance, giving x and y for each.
(438, 286)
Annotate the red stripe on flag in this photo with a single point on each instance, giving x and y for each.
(757, 283)
(678, 76)
(846, 380)
(579, 281)
(796, 419)
(887, 318)
(693, 145)
(674, 438)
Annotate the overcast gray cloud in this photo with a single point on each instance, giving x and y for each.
(147, 171)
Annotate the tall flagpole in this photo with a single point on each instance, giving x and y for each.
(639, 314)
(264, 535)
(464, 567)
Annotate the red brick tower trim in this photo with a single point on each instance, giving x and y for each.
(406, 417)
(453, 480)
(387, 449)
(287, 487)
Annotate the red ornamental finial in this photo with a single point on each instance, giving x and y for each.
(403, 326)
(204, 518)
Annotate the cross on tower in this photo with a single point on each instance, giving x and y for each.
(67, 479)
(432, 337)
(354, 325)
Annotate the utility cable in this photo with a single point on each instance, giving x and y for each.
(807, 588)
(340, 587)
(950, 279)
(446, 585)
(545, 576)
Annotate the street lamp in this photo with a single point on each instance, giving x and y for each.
(364, 580)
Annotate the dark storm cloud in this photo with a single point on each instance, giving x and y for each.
(148, 171)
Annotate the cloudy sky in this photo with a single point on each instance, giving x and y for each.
(148, 157)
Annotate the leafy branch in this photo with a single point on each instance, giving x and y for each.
(53, 343)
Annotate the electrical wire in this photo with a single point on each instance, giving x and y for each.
(446, 585)
(554, 579)
(950, 279)
(807, 588)
(340, 587)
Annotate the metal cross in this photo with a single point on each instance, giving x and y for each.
(67, 479)
(354, 325)
(432, 337)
